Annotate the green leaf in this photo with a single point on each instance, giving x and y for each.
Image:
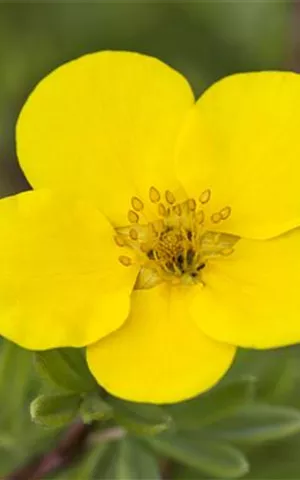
(213, 405)
(277, 383)
(94, 463)
(216, 459)
(140, 418)
(54, 410)
(257, 423)
(66, 368)
(94, 408)
(122, 460)
(134, 461)
(17, 384)
(90, 465)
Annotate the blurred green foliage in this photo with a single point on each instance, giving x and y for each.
(249, 424)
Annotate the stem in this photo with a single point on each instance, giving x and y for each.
(61, 456)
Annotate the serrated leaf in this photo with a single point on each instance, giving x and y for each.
(257, 423)
(213, 458)
(54, 410)
(140, 418)
(66, 368)
(134, 461)
(213, 405)
(94, 408)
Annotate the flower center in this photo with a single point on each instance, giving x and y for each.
(178, 244)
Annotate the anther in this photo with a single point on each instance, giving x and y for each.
(150, 254)
(225, 212)
(169, 266)
(144, 248)
(137, 204)
(133, 234)
(180, 260)
(189, 235)
(189, 256)
(162, 211)
(132, 217)
(170, 198)
(178, 210)
(227, 251)
(216, 217)
(119, 241)
(154, 195)
(200, 267)
(205, 196)
(126, 261)
(191, 203)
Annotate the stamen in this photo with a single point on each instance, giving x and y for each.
(180, 261)
(152, 229)
(191, 203)
(150, 254)
(144, 247)
(170, 266)
(133, 234)
(119, 241)
(189, 235)
(162, 211)
(200, 267)
(227, 251)
(205, 196)
(133, 216)
(170, 198)
(225, 212)
(137, 204)
(156, 227)
(200, 216)
(177, 244)
(154, 195)
(178, 210)
(126, 261)
(190, 256)
(216, 217)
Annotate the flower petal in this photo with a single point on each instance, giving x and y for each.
(241, 140)
(159, 355)
(251, 298)
(105, 126)
(61, 283)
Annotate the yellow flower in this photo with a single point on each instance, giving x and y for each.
(161, 233)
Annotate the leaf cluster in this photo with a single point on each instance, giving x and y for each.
(215, 435)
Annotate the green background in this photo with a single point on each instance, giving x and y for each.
(205, 41)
